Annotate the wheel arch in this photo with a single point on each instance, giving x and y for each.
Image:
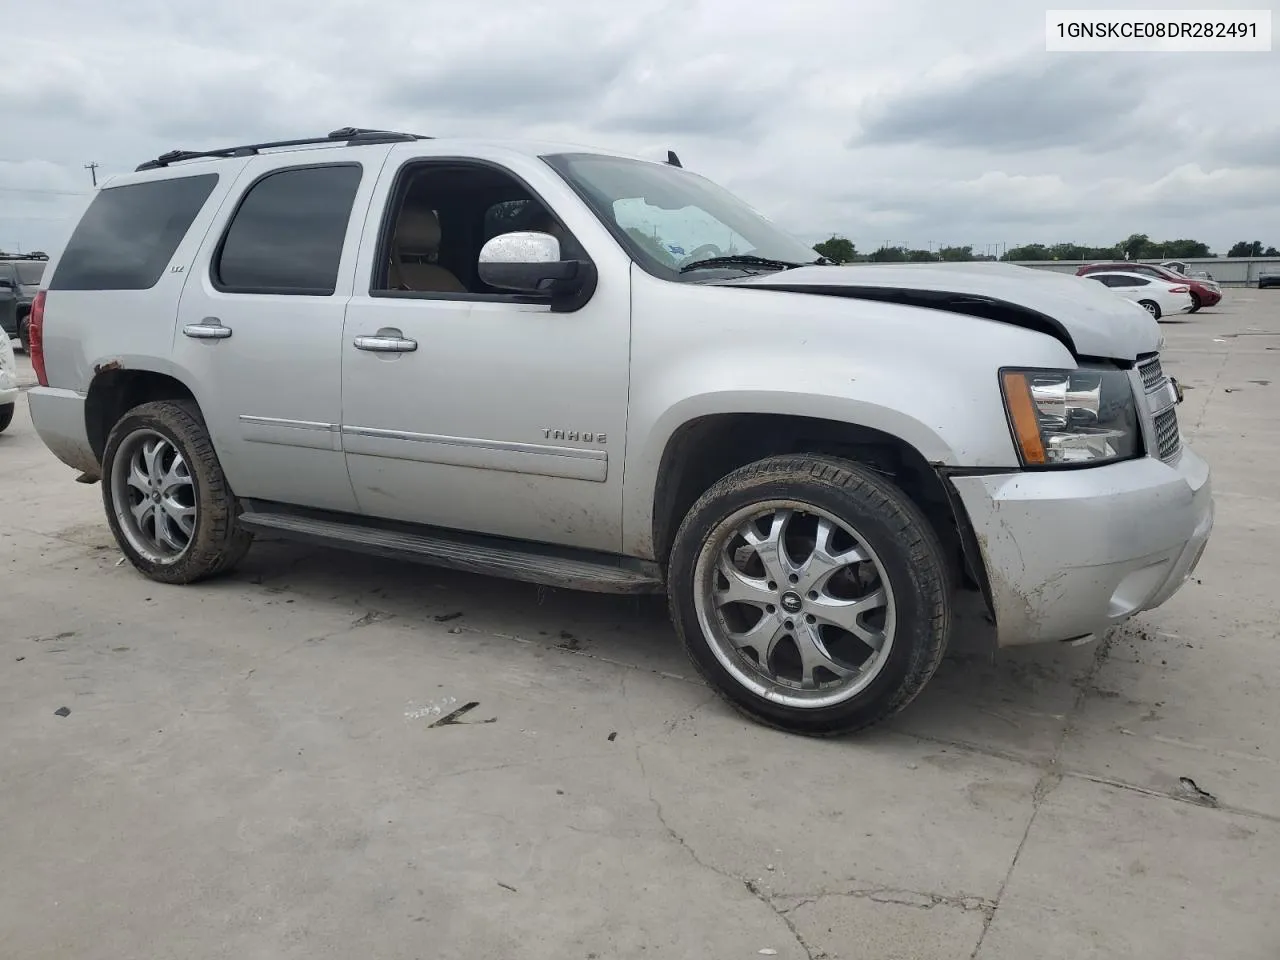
(704, 449)
(118, 385)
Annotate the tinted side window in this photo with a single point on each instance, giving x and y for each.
(128, 235)
(287, 234)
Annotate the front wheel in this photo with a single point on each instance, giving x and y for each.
(1151, 307)
(1195, 303)
(811, 594)
(6, 416)
(167, 501)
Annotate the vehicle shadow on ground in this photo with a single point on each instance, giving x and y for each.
(1013, 702)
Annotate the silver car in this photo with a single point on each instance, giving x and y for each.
(606, 373)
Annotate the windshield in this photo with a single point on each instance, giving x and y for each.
(30, 272)
(669, 218)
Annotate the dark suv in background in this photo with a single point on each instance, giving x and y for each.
(19, 280)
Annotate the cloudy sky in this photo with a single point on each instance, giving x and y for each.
(910, 121)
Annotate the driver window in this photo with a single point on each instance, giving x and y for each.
(443, 214)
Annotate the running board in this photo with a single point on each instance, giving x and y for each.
(548, 566)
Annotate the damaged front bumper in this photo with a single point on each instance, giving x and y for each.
(1069, 554)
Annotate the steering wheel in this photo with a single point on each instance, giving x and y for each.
(703, 252)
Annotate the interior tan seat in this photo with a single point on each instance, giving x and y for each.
(418, 235)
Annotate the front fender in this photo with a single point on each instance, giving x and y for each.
(927, 378)
(645, 455)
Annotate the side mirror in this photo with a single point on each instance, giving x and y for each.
(528, 262)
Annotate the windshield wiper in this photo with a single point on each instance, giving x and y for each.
(740, 259)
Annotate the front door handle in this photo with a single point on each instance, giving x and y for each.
(210, 328)
(386, 340)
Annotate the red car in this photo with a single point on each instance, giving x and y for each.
(1202, 294)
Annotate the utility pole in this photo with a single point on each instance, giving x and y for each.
(93, 171)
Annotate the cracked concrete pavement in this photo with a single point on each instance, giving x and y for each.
(255, 767)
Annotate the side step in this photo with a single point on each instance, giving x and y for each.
(548, 566)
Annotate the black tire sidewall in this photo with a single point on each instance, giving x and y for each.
(1195, 303)
(6, 415)
(912, 596)
(152, 417)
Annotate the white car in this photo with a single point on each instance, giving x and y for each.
(1160, 297)
(8, 382)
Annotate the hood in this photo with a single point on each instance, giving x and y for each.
(1085, 315)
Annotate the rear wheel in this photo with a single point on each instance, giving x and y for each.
(811, 594)
(1195, 303)
(1151, 307)
(6, 416)
(167, 501)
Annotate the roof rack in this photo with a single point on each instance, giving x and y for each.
(348, 136)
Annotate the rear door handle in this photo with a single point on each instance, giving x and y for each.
(386, 340)
(210, 328)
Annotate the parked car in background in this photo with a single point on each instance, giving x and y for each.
(1269, 277)
(19, 280)
(8, 383)
(1184, 268)
(1205, 292)
(1157, 296)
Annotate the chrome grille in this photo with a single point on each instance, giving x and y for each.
(1168, 442)
(1152, 372)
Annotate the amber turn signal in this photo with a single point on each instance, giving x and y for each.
(1022, 415)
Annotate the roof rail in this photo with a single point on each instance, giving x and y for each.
(349, 136)
(37, 255)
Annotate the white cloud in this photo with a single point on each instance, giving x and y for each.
(898, 122)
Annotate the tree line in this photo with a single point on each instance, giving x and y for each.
(1137, 246)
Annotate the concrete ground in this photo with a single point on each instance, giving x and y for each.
(249, 768)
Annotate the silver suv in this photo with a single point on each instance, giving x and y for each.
(605, 373)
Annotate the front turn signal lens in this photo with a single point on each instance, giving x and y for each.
(1022, 417)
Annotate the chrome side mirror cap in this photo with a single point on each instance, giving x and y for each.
(525, 262)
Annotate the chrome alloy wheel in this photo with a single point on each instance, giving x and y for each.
(794, 604)
(154, 496)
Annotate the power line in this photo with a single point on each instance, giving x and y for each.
(42, 190)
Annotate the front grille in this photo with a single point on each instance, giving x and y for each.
(1168, 442)
(1152, 372)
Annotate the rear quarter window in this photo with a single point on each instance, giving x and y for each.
(126, 238)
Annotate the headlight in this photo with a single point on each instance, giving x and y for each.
(1061, 417)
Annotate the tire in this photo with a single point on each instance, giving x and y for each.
(196, 495)
(1151, 307)
(1195, 303)
(24, 336)
(901, 554)
(6, 416)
